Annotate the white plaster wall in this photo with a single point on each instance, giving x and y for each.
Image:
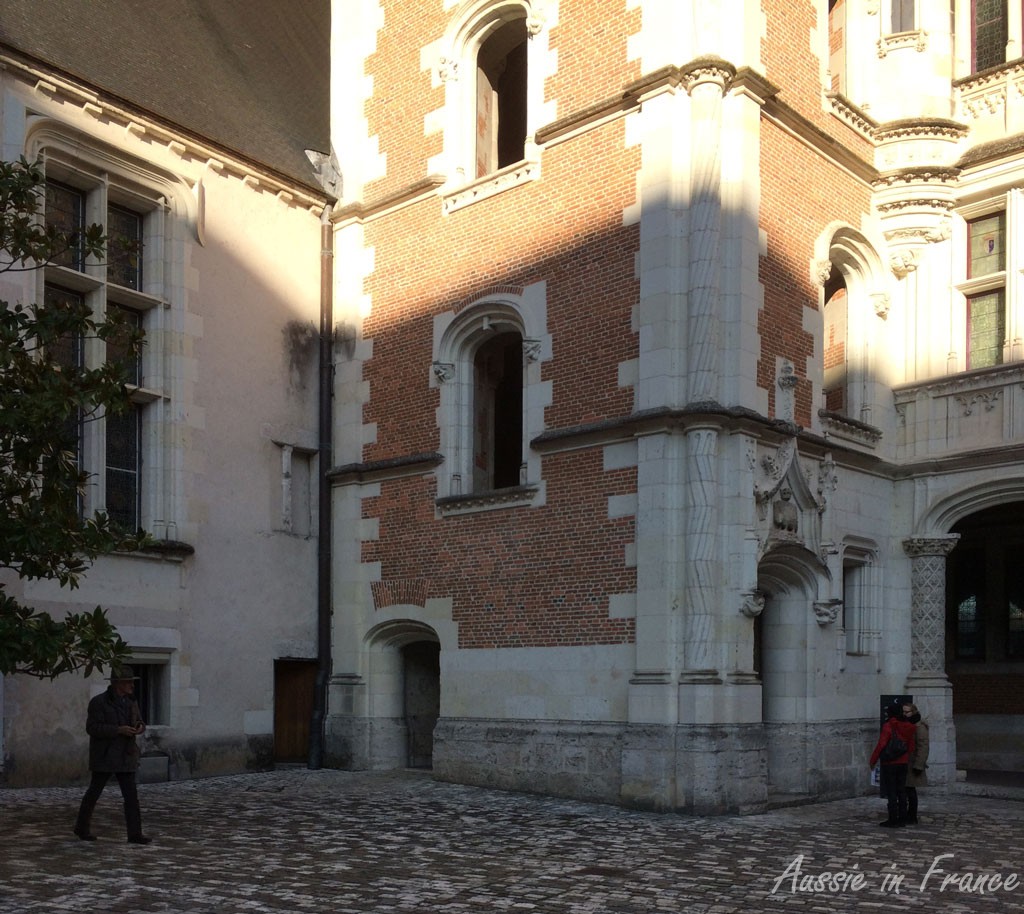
(240, 266)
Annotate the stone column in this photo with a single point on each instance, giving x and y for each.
(927, 681)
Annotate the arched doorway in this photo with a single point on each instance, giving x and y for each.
(403, 660)
(985, 639)
(782, 636)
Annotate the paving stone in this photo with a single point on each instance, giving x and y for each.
(343, 842)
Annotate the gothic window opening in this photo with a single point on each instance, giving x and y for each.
(498, 413)
(501, 98)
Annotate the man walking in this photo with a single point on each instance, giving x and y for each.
(113, 723)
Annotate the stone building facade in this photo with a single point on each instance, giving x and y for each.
(219, 460)
(679, 416)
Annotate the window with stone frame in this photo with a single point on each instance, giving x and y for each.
(986, 292)
(487, 369)
(152, 690)
(859, 598)
(110, 448)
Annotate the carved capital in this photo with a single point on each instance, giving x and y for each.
(448, 70)
(822, 271)
(531, 350)
(705, 70)
(917, 546)
(443, 371)
(535, 22)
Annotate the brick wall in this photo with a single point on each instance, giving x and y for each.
(801, 193)
(517, 577)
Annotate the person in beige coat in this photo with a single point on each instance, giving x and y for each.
(917, 776)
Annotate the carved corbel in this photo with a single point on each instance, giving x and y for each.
(531, 350)
(827, 611)
(753, 604)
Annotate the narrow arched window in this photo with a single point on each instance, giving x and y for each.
(835, 344)
(498, 413)
(501, 98)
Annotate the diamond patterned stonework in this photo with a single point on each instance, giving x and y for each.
(928, 601)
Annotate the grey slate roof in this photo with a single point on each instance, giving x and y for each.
(252, 76)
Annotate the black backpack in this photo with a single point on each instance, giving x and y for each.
(893, 749)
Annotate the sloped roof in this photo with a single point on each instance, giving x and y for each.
(252, 76)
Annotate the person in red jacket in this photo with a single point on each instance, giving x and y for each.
(894, 770)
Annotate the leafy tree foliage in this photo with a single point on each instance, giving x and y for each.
(45, 400)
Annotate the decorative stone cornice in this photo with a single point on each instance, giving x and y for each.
(920, 128)
(378, 470)
(917, 40)
(925, 174)
(496, 498)
(850, 429)
(851, 115)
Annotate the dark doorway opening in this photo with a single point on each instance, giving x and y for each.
(421, 664)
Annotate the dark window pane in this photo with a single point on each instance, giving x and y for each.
(65, 211)
(989, 34)
(123, 437)
(124, 247)
(986, 322)
(117, 351)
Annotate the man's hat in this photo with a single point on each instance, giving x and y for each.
(122, 674)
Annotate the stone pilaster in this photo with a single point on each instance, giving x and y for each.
(927, 680)
(706, 80)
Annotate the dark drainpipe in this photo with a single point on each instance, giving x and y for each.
(325, 431)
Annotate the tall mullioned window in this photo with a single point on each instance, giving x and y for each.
(990, 33)
(986, 307)
(109, 447)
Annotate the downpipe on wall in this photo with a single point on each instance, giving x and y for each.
(325, 458)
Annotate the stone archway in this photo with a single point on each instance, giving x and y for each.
(404, 693)
(984, 647)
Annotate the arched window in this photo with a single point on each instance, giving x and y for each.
(501, 98)
(487, 369)
(492, 63)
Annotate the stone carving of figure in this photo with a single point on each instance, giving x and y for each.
(784, 512)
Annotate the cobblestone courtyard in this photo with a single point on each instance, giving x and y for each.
(358, 843)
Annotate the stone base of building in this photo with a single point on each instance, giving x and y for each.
(698, 769)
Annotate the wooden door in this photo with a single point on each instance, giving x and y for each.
(294, 684)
